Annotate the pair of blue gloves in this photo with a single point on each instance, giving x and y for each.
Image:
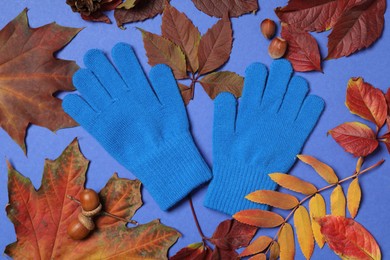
(144, 126)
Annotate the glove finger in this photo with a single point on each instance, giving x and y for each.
(79, 110)
(133, 75)
(225, 109)
(98, 63)
(91, 89)
(309, 114)
(295, 95)
(277, 82)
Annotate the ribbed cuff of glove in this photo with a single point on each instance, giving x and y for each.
(172, 172)
(230, 185)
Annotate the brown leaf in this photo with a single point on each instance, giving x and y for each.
(317, 210)
(355, 138)
(257, 246)
(180, 30)
(303, 51)
(30, 76)
(286, 242)
(219, 8)
(324, 170)
(354, 196)
(219, 253)
(357, 28)
(195, 251)
(160, 50)
(366, 101)
(259, 257)
(337, 201)
(44, 236)
(186, 93)
(274, 251)
(273, 198)
(304, 232)
(215, 46)
(293, 183)
(98, 15)
(222, 81)
(348, 239)
(128, 4)
(141, 11)
(259, 218)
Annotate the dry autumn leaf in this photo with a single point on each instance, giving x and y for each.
(186, 92)
(293, 183)
(386, 139)
(354, 196)
(219, 8)
(141, 11)
(286, 242)
(324, 170)
(273, 198)
(30, 76)
(128, 4)
(222, 81)
(274, 251)
(193, 251)
(49, 205)
(317, 210)
(337, 201)
(355, 138)
(259, 257)
(259, 218)
(348, 239)
(95, 9)
(304, 232)
(257, 246)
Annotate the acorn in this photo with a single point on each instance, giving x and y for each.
(268, 28)
(277, 48)
(80, 228)
(89, 199)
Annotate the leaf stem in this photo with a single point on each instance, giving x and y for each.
(197, 221)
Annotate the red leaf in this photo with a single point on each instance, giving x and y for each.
(302, 50)
(386, 139)
(366, 101)
(192, 252)
(219, 254)
(219, 8)
(356, 29)
(355, 138)
(348, 239)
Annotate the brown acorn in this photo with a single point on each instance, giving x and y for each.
(80, 228)
(268, 28)
(89, 200)
(277, 48)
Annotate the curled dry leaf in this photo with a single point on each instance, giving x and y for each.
(141, 11)
(366, 101)
(304, 232)
(274, 251)
(317, 210)
(355, 138)
(222, 81)
(259, 218)
(293, 183)
(337, 201)
(354, 196)
(93, 10)
(286, 242)
(324, 170)
(348, 239)
(219, 8)
(273, 198)
(257, 246)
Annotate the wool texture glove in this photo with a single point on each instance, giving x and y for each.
(143, 126)
(273, 120)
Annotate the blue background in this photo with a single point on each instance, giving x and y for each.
(249, 46)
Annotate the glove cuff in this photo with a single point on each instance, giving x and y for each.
(173, 171)
(230, 185)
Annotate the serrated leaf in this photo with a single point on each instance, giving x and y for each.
(257, 246)
(160, 50)
(259, 218)
(349, 239)
(286, 242)
(304, 232)
(186, 93)
(317, 210)
(337, 201)
(354, 196)
(324, 170)
(351, 33)
(219, 8)
(141, 11)
(180, 30)
(222, 81)
(192, 251)
(273, 198)
(303, 51)
(274, 251)
(259, 257)
(128, 4)
(215, 46)
(293, 183)
(366, 101)
(30, 76)
(356, 138)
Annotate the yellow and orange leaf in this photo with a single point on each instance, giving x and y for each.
(286, 242)
(317, 210)
(337, 202)
(293, 183)
(273, 198)
(274, 251)
(324, 170)
(354, 196)
(259, 257)
(304, 232)
(259, 218)
(257, 246)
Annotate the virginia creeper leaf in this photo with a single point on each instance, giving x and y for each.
(30, 76)
(160, 50)
(259, 218)
(191, 252)
(222, 81)
(180, 30)
(366, 101)
(357, 28)
(274, 251)
(186, 93)
(303, 51)
(349, 239)
(257, 246)
(337, 201)
(219, 8)
(215, 46)
(293, 183)
(41, 217)
(354, 196)
(304, 232)
(273, 198)
(324, 170)
(356, 138)
(286, 242)
(317, 210)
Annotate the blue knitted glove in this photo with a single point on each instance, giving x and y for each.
(144, 128)
(274, 118)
